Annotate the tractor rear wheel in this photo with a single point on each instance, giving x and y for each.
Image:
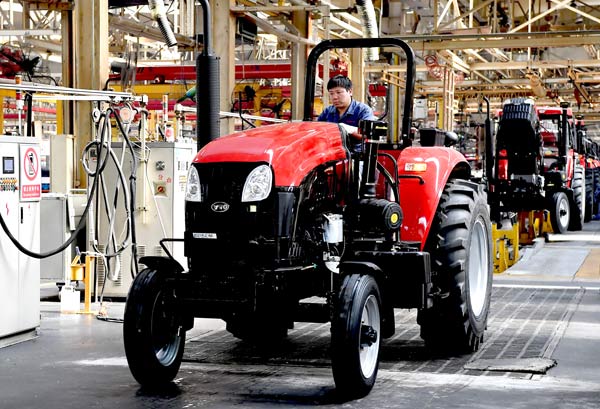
(589, 194)
(356, 336)
(560, 212)
(578, 205)
(153, 335)
(461, 248)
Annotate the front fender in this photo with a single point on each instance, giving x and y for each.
(292, 149)
(419, 198)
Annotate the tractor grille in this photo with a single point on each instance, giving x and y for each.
(245, 232)
(223, 183)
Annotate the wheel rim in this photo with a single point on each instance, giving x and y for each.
(164, 332)
(369, 350)
(478, 268)
(563, 211)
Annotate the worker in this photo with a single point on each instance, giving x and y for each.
(344, 109)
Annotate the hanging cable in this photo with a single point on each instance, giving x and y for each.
(103, 153)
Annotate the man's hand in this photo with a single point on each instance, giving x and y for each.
(352, 130)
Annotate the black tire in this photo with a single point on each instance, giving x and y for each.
(154, 336)
(560, 212)
(596, 188)
(578, 204)
(356, 336)
(461, 249)
(589, 195)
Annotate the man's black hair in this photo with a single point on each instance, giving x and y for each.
(339, 81)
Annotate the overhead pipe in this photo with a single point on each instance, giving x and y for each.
(366, 10)
(159, 14)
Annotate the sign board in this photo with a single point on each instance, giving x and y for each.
(31, 180)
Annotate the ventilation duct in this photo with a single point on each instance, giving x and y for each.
(369, 21)
(159, 14)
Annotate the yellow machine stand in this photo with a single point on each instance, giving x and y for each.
(506, 245)
(535, 223)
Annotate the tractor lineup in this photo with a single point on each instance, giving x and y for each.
(542, 176)
(286, 223)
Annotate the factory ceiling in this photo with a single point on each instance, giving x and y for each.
(499, 48)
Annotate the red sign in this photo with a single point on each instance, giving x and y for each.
(31, 164)
(30, 185)
(30, 191)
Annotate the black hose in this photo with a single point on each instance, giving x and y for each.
(79, 227)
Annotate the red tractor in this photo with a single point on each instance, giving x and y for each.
(591, 161)
(536, 164)
(286, 223)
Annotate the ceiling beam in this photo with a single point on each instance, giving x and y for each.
(437, 42)
(523, 65)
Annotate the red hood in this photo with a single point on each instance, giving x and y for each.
(292, 149)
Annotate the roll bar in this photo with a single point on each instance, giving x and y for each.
(309, 92)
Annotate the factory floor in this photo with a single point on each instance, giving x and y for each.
(542, 349)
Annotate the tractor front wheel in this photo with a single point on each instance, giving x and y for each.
(154, 336)
(461, 247)
(356, 336)
(560, 212)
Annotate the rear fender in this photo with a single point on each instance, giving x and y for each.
(420, 191)
(161, 264)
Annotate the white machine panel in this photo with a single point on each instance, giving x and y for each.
(160, 204)
(9, 206)
(20, 191)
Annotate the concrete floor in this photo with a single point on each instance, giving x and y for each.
(546, 307)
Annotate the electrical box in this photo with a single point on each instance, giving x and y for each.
(20, 193)
(55, 230)
(160, 211)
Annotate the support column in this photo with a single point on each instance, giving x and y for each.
(448, 100)
(224, 48)
(300, 20)
(66, 28)
(90, 62)
(357, 73)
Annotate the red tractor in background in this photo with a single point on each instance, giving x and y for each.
(591, 161)
(536, 165)
(287, 223)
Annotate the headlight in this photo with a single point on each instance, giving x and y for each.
(192, 188)
(258, 184)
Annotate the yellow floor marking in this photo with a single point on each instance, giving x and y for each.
(590, 268)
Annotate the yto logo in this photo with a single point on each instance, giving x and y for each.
(219, 207)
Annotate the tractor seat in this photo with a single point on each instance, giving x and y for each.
(522, 144)
(550, 138)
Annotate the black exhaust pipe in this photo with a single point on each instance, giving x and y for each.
(489, 145)
(208, 122)
(564, 142)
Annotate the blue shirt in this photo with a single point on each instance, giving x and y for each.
(354, 113)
